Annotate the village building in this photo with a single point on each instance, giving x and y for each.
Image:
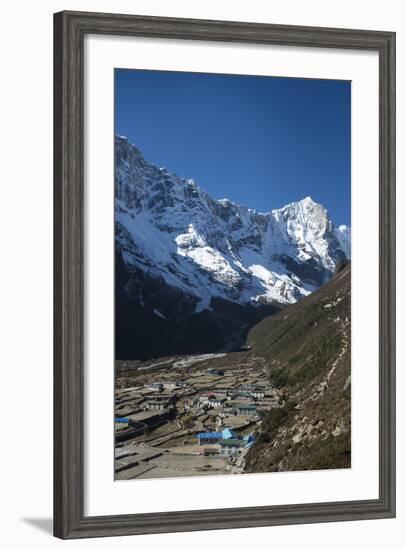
(248, 390)
(133, 429)
(210, 450)
(257, 393)
(242, 394)
(159, 403)
(206, 396)
(170, 385)
(154, 386)
(249, 440)
(228, 433)
(208, 438)
(215, 402)
(231, 447)
(121, 423)
(222, 393)
(245, 410)
(155, 405)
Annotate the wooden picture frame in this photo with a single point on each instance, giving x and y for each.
(69, 518)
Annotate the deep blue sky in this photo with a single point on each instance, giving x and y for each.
(259, 141)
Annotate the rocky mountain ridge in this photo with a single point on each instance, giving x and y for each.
(171, 229)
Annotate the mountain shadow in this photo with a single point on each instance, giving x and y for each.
(142, 332)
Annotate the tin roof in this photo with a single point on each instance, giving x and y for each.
(228, 434)
(210, 435)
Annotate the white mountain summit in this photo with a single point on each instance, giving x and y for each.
(179, 248)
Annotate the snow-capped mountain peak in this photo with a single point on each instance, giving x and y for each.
(343, 235)
(172, 234)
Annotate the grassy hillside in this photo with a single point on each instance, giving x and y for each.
(307, 348)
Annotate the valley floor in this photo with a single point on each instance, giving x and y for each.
(161, 407)
(282, 404)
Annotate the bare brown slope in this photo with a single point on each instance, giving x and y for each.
(308, 350)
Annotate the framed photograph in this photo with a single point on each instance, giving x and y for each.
(224, 275)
